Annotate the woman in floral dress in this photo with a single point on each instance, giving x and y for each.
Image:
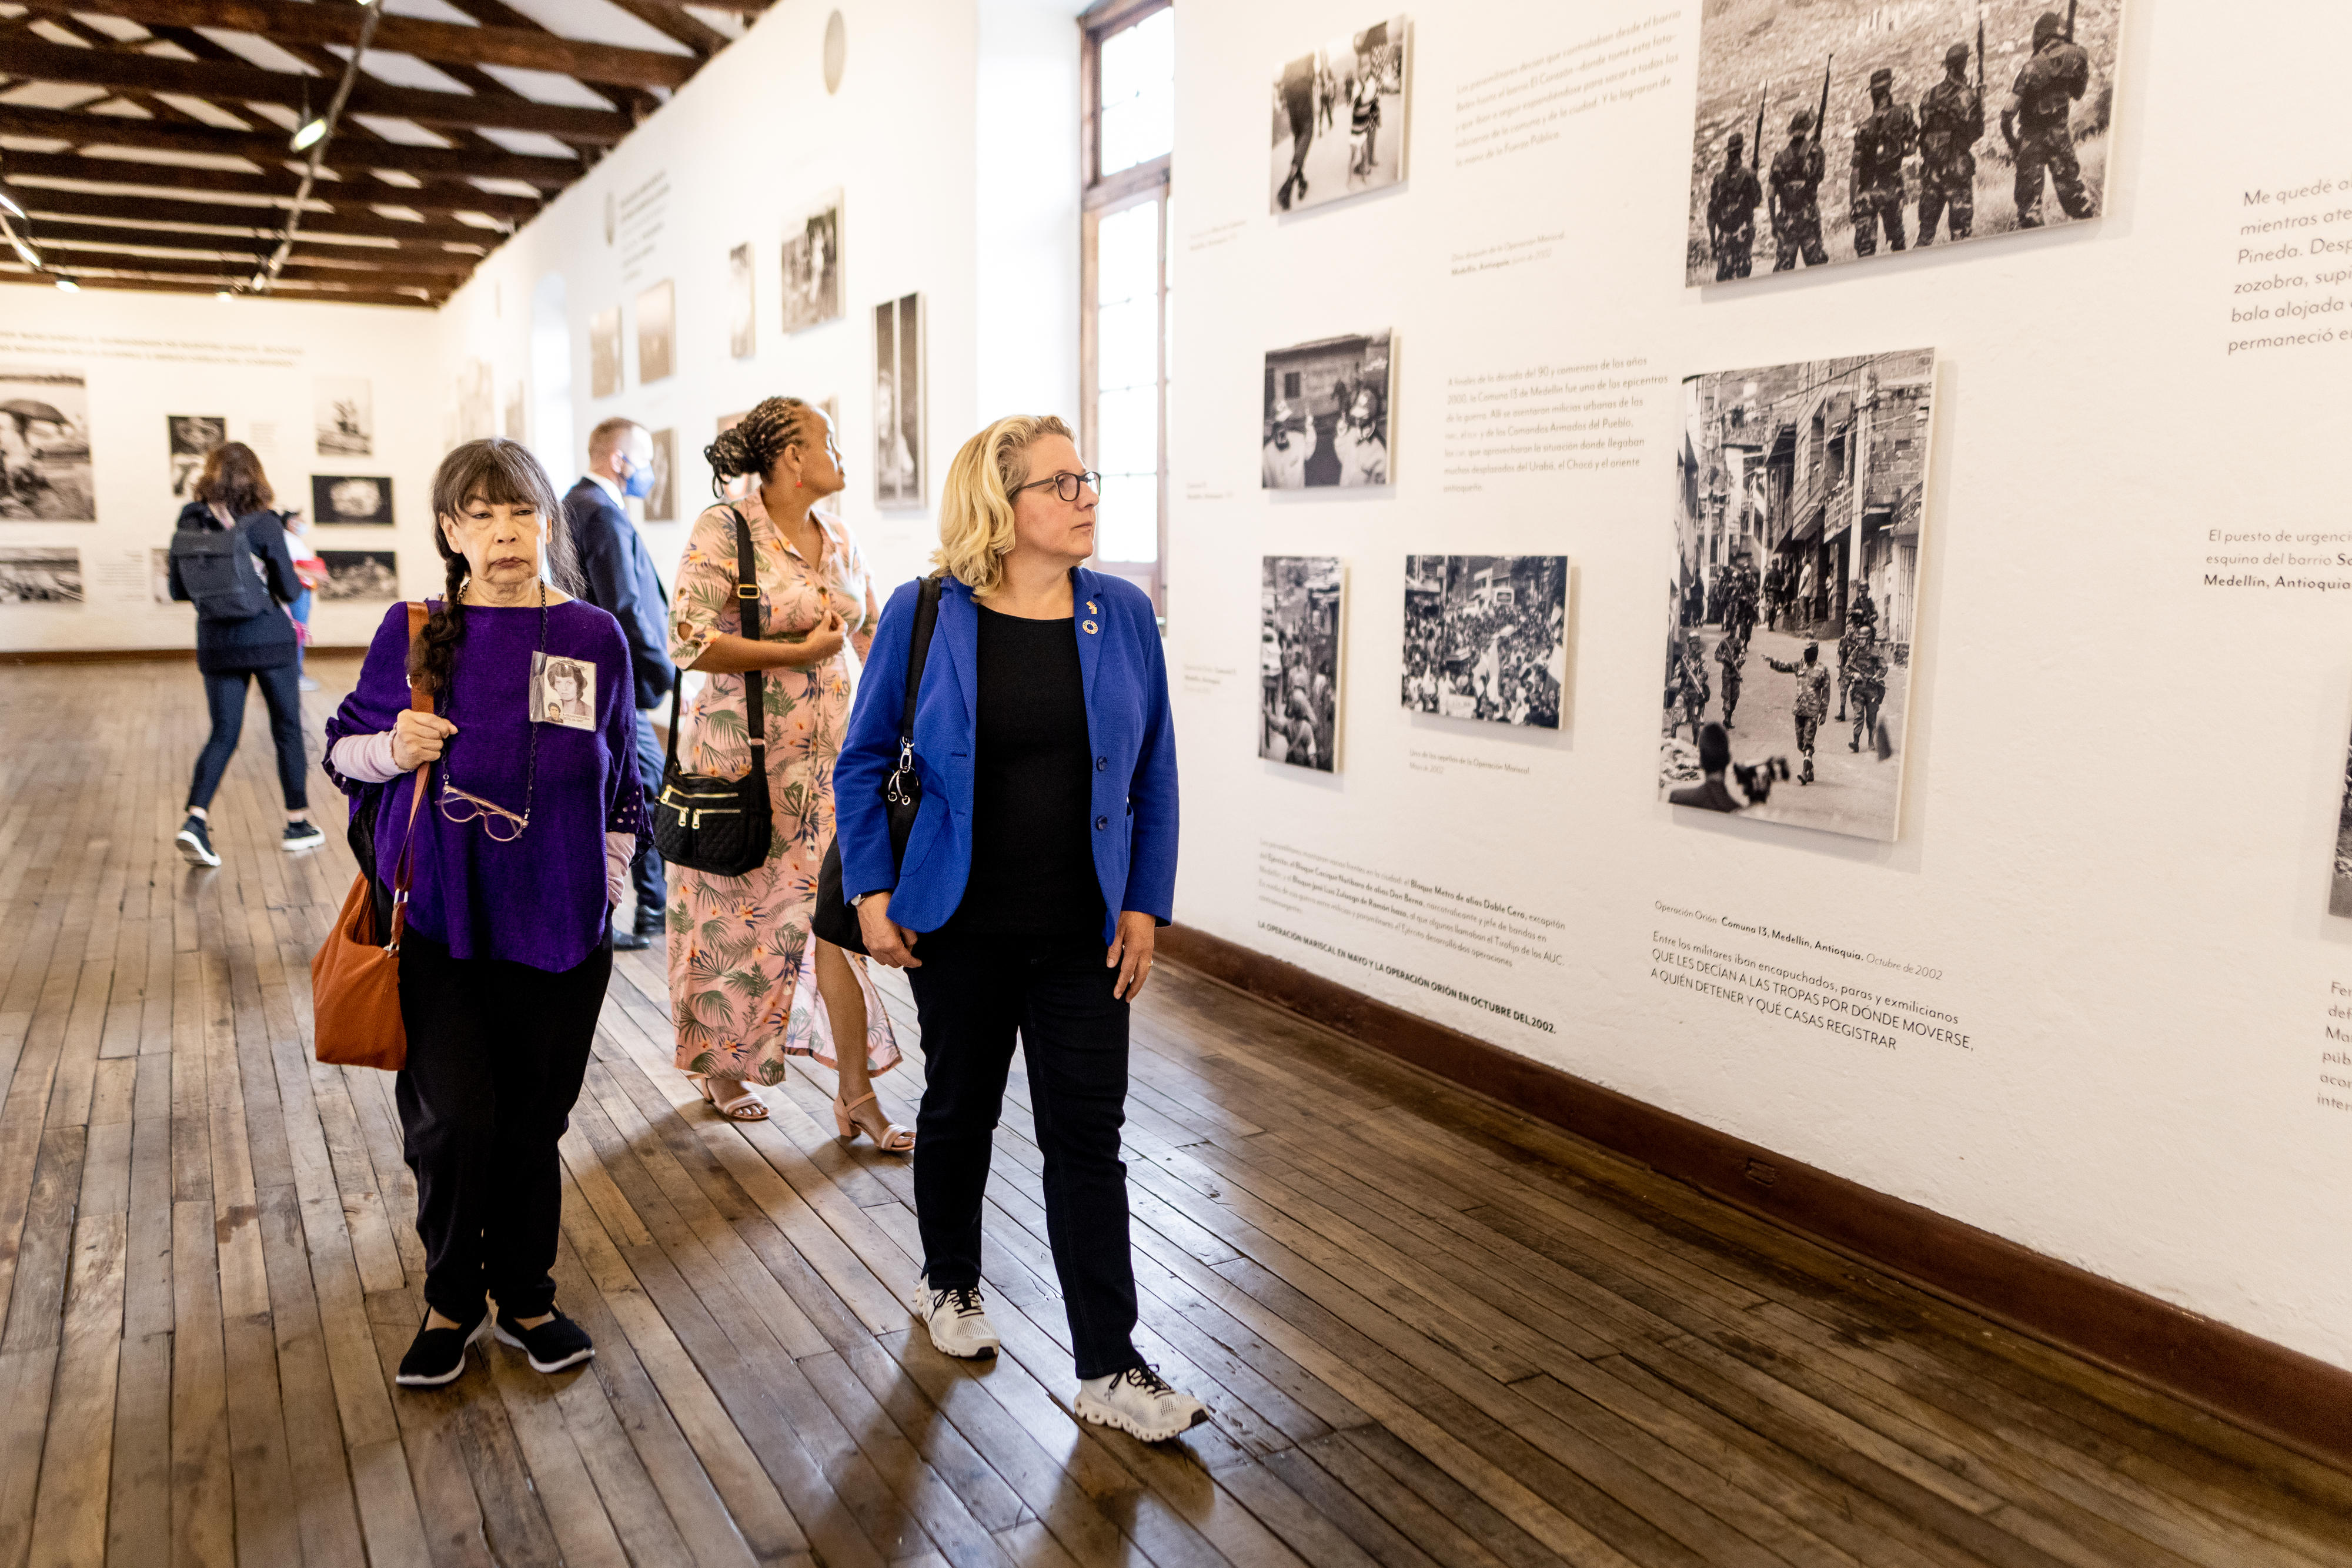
(749, 984)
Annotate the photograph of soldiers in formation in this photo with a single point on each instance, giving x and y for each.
(1791, 605)
(1830, 131)
(1338, 119)
(1302, 611)
(1485, 637)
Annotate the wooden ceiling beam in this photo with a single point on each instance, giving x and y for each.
(272, 151)
(676, 22)
(42, 201)
(240, 269)
(443, 196)
(58, 238)
(299, 21)
(120, 71)
(179, 286)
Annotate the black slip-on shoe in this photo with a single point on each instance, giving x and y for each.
(437, 1357)
(551, 1346)
(628, 941)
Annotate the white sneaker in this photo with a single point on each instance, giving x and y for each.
(1140, 1401)
(958, 1323)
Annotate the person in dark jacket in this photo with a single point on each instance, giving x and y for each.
(234, 493)
(617, 577)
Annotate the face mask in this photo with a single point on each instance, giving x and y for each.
(640, 482)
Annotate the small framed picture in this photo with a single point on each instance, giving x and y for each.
(562, 691)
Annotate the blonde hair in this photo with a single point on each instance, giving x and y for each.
(976, 503)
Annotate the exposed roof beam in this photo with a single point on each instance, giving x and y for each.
(302, 21)
(251, 84)
(176, 285)
(436, 196)
(239, 267)
(675, 22)
(95, 129)
(65, 235)
(42, 202)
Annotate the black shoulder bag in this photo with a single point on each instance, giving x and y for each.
(701, 821)
(902, 792)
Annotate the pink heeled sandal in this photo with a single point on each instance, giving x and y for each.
(895, 1139)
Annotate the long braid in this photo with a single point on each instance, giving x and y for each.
(752, 447)
(436, 650)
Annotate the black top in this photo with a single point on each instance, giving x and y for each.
(1032, 861)
(619, 580)
(263, 642)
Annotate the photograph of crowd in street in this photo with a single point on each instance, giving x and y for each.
(1338, 119)
(1485, 637)
(1831, 131)
(1302, 618)
(1326, 418)
(2339, 895)
(1793, 599)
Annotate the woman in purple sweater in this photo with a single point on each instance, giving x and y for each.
(520, 850)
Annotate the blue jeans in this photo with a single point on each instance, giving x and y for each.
(225, 696)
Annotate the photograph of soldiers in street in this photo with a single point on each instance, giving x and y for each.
(1325, 420)
(1485, 637)
(1302, 617)
(1830, 130)
(1793, 599)
(1338, 119)
(2339, 889)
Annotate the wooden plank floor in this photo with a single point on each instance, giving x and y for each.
(1432, 1332)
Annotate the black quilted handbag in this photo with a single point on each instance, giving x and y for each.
(722, 826)
(902, 791)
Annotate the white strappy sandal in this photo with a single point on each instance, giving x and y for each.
(748, 1108)
(895, 1139)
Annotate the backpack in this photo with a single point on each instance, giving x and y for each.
(218, 571)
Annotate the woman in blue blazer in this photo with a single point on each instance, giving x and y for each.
(1041, 861)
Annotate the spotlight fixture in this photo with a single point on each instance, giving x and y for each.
(311, 130)
(68, 285)
(8, 205)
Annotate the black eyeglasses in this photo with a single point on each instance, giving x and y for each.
(1066, 486)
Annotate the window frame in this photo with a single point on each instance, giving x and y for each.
(1101, 197)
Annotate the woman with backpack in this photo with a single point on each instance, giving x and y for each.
(229, 559)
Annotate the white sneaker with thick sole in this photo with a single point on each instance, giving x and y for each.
(959, 1324)
(1138, 1401)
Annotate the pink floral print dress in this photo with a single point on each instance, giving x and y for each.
(742, 965)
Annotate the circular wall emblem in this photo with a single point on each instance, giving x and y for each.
(836, 51)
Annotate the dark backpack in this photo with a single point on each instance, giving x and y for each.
(219, 571)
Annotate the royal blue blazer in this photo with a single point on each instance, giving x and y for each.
(1128, 727)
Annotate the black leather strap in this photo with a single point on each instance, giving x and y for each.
(919, 652)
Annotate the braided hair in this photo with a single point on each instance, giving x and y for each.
(752, 447)
(504, 473)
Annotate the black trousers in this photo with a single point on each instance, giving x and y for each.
(225, 696)
(972, 994)
(496, 1053)
(646, 869)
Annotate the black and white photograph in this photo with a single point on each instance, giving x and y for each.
(1485, 637)
(661, 501)
(343, 413)
(1302, 627)
(191, 437)
(1327, 413)
(45, 472)
(1793, 600)
(1339, 119)
(605, 352)
(2339, 894)
(40, 574)
(338, 498)
(371, 575)
(1835, 131)
(741, 340)
(813, 268)
(898, 402)
(656, 332)
(562, 691)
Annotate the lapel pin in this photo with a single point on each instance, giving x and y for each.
(1090, 628)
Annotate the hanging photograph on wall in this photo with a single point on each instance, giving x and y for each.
(1835, 131)
(191, 437)
(2339, 894)
(740, 339)
(1339, 119)
(605, 352)
(661, 501)
(1302, 623)
(366, 575)
(813, 268)
(1793, 601)
(342, 413)
(656, 332)
(1327, 413)
(40, 574)
(1485, 637)
(337, 499)
(45, 472)
(898, 402)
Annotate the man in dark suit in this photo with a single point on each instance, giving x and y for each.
(619, 579)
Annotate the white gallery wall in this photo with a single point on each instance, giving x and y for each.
(2121, 801)
(256, 363)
